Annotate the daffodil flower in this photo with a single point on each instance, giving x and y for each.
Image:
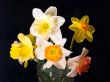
(78, 64)
(82, 29)
(47, 25)
(23, 50)
(54, 54)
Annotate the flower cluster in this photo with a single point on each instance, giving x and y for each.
(45, 42)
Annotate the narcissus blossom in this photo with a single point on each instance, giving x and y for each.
(47, 24)
(82, 29)
(54, 54)
(78, 64)
(23, 50)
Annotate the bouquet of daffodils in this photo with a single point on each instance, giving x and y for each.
(45, 44)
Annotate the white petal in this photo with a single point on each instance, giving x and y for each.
(57, 38)
(37, 13)
(58, 34)
(64, 41)
(35, 59)
(48, 64)
(58, 21)
(32, 30)
(20, 62)
(51, 11)
(72, 73)
(61, 64)
(46, 43)
(15, 42)
(43, 43)
(84, 52)
(65, 52)
(38, 41)
(39, 53)
(73, 62)
(46, 37)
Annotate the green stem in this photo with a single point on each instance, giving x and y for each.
(71, 45)
(39, 79)
(62, 80)
(72, 41)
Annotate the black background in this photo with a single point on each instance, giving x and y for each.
(16, 16)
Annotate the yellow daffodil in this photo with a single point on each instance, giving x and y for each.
(47, 25)
(54, 54)
(82, 29)
(23, 50)
(32, 38)
(79, 63)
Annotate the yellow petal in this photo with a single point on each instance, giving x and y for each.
(14, 53)
(89, 36)
(73, 27)
(79, 36)
(91, 29)
(85, 19)
(74, 19)
(31, 37)
(24, 39)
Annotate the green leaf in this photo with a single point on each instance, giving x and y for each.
(25, 64)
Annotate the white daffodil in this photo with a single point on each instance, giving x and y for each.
(47, 24)
(54, 54)
(79, 64)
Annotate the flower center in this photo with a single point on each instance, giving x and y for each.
(53, 53)
(42, 27)
(84, 26)
(25, 52)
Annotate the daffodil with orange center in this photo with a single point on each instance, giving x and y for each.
(82, 29)
(23, 50)
(54, 54)
(79, 64)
